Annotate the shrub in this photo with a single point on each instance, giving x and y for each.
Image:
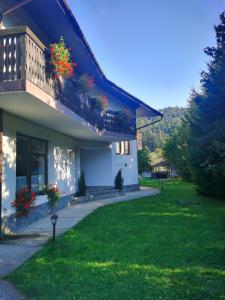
(85, 84)
(82, 185)
(25, 199)
(53, 193)
(119, 180)
(144, 162)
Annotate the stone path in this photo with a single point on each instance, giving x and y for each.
(13, 253)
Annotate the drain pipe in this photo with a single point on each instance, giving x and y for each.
(151, 123)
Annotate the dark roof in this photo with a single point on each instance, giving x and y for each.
(160, 164)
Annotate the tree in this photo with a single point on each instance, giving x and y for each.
(156, 156)
(205, 121)
(155, 136)
(119, 180)
(82, 185)
(144, 164)
(176, 152)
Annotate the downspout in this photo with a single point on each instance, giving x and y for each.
(151, 123)
(1, 169)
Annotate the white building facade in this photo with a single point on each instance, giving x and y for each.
(49, 131)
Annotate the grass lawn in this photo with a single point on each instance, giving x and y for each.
(170, 246)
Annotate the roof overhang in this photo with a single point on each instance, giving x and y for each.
(57, 19)
(142, 109)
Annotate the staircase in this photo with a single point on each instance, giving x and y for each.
(94, 194)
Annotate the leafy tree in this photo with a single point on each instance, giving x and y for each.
(206, 122)
(156, 156)
(176, 152)
(144, 163)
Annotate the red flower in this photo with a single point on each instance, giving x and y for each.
(26, 205)
(60, 59)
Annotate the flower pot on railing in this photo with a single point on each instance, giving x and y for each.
(85, 84)
(61, 60)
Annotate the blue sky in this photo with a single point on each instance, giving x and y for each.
(151, 48)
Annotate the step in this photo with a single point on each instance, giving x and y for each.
(107, 188)
(99, 196)
(102, 191)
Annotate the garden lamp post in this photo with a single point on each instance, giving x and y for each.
(54, 219)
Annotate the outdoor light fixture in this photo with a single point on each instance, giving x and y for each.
(54, 219)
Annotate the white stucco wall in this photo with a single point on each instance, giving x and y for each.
(128, 164)
(97, 166)
(66, 158)
(61, 158)
(101, 166)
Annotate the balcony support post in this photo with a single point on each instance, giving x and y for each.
(1, 164)
(1, 23)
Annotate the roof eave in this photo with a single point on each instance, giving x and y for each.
(67, 9)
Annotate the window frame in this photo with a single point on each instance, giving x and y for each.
(29, 154)
(122, 146)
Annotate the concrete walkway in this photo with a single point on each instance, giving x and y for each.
(8, 292)
(13, 253)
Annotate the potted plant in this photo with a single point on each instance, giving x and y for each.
(61, 60)
(100, 102)
(85, 84)
(24, 201)
(126, 113)
(53, 193)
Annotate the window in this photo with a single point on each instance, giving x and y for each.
(31, 163)
(123, 148)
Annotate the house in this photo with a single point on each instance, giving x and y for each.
(160, 169)
(50, 131)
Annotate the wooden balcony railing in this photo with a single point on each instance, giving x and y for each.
(23, 57)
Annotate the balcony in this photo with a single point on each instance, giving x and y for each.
(24, 61)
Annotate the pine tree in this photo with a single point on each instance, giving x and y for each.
(206, 122)
(82, 185)
(119, 180)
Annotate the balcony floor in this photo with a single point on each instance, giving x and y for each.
(36, 106)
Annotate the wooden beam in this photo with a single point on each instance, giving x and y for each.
(1, 164)
(10, 9)
(14, 7)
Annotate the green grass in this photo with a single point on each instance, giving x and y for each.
(169, 246)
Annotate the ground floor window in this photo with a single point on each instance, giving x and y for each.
(31, 163)
(123, 148)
